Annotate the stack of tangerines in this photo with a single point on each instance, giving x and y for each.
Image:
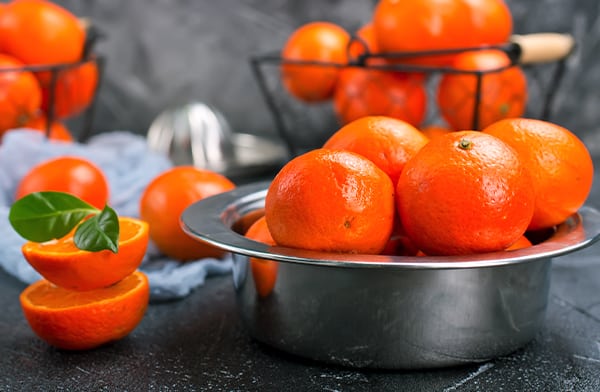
(380, 186)
(383, 68)
(43, 67)
(91, 297)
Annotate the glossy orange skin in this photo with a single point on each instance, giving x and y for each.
(369, 92)
(522, 242)
(74, 92)
(426, 25)
(58, 130)
(41, 32)
(333, 201)
(63, 264)
(559, 161)
(70, 174)
(20, 94)
(386, 141)
(72, 320)
(503, 93)
(163, 202)
(463, 193)
(264, 272)
(315, 41)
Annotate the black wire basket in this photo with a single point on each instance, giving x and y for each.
(61, 89)
(303, 126)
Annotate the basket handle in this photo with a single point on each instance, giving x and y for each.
(542, 47)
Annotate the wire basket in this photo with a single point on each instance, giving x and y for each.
(68, 90)
(303, 126)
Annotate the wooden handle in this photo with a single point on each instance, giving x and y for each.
(543, 47)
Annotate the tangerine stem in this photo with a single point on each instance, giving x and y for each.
(465, 144)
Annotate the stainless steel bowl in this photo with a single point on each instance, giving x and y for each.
(383, 311)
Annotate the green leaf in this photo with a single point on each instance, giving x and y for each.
(99, 232)
(43, 216)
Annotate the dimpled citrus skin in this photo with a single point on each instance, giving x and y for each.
(463, 193)
(560, 163)
(331, 200)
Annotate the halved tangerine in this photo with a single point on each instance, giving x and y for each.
(65, 265)
(73, 320)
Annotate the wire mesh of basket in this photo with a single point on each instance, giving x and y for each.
(306, 125)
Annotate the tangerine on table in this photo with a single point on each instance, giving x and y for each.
(386, 141)
(70, 174)
(264, 272)
(62, 263)
(561, 165)
(503, 91)
(162, 202)
(323, 42)
(429, 25)
(73, 320)
(331, 200)
(465, 192)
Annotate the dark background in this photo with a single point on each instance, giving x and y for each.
(163, 53)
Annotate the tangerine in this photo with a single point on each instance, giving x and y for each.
(58, 130)
(434, 25)
(373, 92)
(465, 192)
(70, 174)
(386, 141)
(20, 94)
(502, 93)
(560, 163)
(41, 32)
(73, 320)
(264, 272)
(162, 202)
(63, 264)
(331, 200)
(319, 42)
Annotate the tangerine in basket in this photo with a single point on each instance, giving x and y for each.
(560, 163)
(20, 94)
(465, 192)
(323, 42)
(431, 25)
(331, 200)
(75, 175)
(162, 202)
(58, 130)
(386, 141)
(264, 272)
(72, 320)
(63, 264)
(522, 242)
(41, 32)
(503, 90)
(74, 90)
(373, 92)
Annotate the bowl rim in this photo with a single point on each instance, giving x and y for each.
(211, 219)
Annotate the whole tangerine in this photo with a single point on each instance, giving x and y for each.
(333, 201)
(162, 202)
(465, 192)
(560, 164)
(315, 42)
(386, 141)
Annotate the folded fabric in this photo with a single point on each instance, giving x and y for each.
(129, 166)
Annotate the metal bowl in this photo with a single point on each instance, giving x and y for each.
(390, 312)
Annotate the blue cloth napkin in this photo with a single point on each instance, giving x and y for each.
(129, 166)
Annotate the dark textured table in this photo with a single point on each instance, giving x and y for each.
(199, 343)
